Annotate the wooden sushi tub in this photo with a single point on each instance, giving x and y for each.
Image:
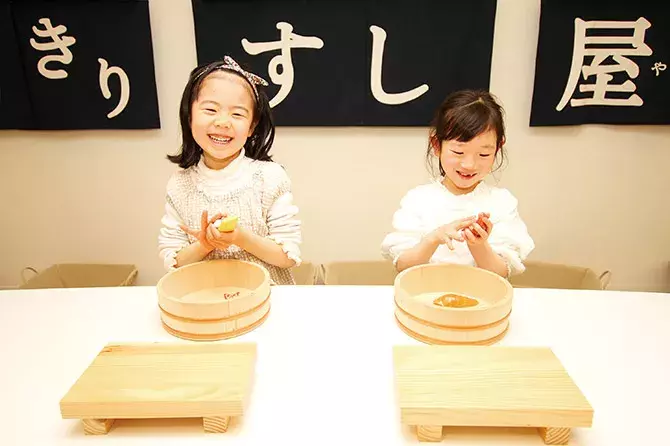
(214, 299)
(452, 304)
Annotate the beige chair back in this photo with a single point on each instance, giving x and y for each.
(554, 275)
(307, 274)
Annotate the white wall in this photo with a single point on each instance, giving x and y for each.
(57, 207)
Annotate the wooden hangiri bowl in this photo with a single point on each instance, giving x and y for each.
(214, 299)
(434, 304)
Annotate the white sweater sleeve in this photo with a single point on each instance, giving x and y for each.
(284, 226)
(510, 238)
(171, 239)
(408, 227)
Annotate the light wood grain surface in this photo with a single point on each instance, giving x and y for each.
(163, 380)
(487, 386)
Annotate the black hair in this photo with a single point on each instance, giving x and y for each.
(258, 144)
(464, 115)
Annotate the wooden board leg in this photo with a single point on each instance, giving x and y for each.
(555, 435)
(94, 426)
(215, 424)
(429, 433)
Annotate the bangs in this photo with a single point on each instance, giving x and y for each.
(465, 123)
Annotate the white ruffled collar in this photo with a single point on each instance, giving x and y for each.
(207, 172)
(207, 178)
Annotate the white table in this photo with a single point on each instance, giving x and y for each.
(324, 366)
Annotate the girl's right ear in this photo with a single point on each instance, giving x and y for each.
(435, 144)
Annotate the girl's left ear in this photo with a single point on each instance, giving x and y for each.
(502, 143)
(252, 128)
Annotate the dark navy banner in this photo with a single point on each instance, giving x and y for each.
(602, 62)
(353, 63)
(77, 65)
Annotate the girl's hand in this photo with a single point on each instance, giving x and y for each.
(222, 240)
(201, 235)
(479, 232)
(451, 231)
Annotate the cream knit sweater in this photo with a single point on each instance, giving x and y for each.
(258, 192)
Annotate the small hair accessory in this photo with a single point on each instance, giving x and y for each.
(251, 77)
(230, 64)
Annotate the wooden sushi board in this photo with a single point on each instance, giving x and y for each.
(163, 380)
(489, 387)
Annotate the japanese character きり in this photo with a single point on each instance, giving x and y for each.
(62, 44)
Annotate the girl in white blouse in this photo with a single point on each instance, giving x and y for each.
(227, 132)
(458, 218)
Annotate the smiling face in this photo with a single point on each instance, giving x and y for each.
(465, 164)
(222, 118)
(467, 137)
